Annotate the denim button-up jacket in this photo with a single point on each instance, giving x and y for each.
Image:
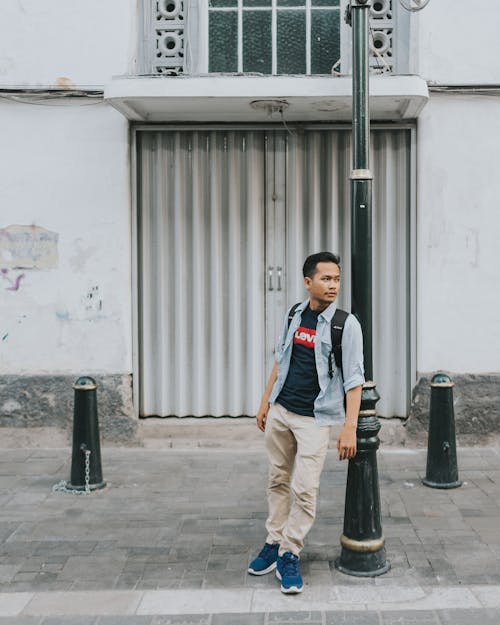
(329, 404)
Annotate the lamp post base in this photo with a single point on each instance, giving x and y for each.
(362, 564)
(444, 485)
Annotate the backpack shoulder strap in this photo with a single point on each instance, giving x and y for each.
(292, 312)
(337, 329)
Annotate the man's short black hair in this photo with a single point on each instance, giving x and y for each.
(309, 268)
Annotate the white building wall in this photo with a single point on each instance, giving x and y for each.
(65, 169)
(86, 42)
(458, 299)
(458, 41)
(458, 323)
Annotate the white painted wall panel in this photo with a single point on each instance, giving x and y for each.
(458, 226)
(64, 168)
(458, 41)
(87, 42)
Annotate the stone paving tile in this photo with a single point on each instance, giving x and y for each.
(71, 620)
(124, 620)
(215, 524)
(468, 617)
(183, 619)
(238, 619)
(420, 617)
(352, 618)
(294, 617)
(20, 620)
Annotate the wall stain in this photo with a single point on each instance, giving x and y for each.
(63, 315)
(14, 283)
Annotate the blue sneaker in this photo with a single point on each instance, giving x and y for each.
(265, 562)
(288, 572)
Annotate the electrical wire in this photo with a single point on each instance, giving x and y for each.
(290, 132)
(49, 99)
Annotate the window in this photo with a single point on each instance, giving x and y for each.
(265, 36)
(273, 36)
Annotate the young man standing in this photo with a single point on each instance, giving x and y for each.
(303, 398)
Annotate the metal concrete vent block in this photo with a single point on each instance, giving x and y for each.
(381, 35)
(168, 25)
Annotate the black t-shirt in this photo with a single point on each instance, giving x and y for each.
(301, 385)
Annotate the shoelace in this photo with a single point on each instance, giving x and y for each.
(291, 566)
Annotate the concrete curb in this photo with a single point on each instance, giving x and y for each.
(248, 601)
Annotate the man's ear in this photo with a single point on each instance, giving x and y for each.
(307, 281)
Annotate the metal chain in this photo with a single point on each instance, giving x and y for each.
(87, 470)
(62, 486)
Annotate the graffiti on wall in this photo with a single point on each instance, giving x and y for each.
(14, 282)
(28, 247)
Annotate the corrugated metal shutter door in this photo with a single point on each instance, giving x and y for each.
(216, 210)
(201, 253)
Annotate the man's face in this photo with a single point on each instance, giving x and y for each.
(324, 286)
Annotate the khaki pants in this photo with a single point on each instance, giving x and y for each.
(296, 448)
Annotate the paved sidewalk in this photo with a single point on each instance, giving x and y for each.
(169, 538)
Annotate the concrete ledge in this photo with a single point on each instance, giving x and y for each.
(28, 402)
(239, 433)
(476, 407)
(232, 98)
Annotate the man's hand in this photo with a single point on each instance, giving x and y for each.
(264, 404)
(262, 416)
(346, 442)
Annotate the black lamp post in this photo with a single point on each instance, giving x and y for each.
(363, 550)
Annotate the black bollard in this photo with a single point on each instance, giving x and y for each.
(86, 471)
(363, 544)
(442, 470)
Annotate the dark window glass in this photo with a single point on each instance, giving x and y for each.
(257, 54)
(256, 3)
(325, 41)
(325, 3)
(223, 3)
(291, 40)
(291, 3)
(223, 41)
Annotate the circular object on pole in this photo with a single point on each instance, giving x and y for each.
(441, 380)
(85, 383)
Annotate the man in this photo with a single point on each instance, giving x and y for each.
(302, 399)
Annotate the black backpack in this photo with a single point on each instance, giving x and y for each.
(336, 328)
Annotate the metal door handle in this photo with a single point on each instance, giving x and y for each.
(279, 278)
(270, 273)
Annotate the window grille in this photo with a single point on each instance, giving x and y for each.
(266, 36)
(168, 25)
(274, 36)
(381, 35)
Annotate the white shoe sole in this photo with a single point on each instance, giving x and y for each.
(293, 590)
(264, 572)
